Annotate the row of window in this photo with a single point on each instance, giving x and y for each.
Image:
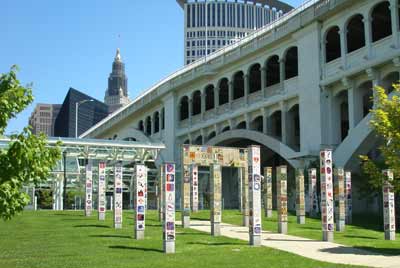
(212, 42)
(190, 35)
(157, 123)
(380, 26)
(239, 15)
(272, 77)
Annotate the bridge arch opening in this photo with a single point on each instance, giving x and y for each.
(238, 85)
(209, 97)
(291, 63)
(381, 22)
(273, 71)
(141, 126)
(355, 33)
(156, 120)
(257, 124)
(230, 175)
(148, 126)
(332, 44)
(184, 108)
(255, 78)
(211, 135)
(389, 80)
(293, 128)
(275, 129)
(223, 91)
(241, 125)
(196, 103)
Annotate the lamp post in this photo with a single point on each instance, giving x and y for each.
(76, 113)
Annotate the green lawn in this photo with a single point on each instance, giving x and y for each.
(365, 232)
(68, 239)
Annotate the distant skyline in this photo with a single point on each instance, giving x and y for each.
(63, 44)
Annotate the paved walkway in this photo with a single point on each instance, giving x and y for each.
(317, 250)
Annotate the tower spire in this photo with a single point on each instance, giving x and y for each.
(118, 55)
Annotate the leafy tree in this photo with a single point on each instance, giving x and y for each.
(45, 198)
(386, 123)
(28, 159)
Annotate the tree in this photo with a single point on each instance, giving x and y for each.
(27, 159)
(386, 124)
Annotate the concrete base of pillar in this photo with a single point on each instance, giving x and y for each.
(169, 247)
(195, 210)
(349, 220)
(102, 216)
(340, 225)
(390, 235)
(255, 240)
(117, 225)
(215, 229)
(139, 234)
(246, 221)
(282, 227)
(327, 236)
(88, 213)
(268, 213)
(301, 219)
(186, 221)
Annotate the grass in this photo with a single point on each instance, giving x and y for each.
(68, 239)
(365, 232)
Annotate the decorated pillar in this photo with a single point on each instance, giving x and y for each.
(140, 184)
(185, 194)
(101, 200)
(389, 217)
(215, 198)
(312, 192)
(281, 190)
(245, 195)
(339, 195)
(118, 195)
(240, 186)
(168, 179)
(268, 192)
(348, 198)
(326, 195)
(194, 174)
(160, 195)
(88, 189)
(300, 204)
(254, 162)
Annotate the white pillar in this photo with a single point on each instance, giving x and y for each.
(215, 199)
(140, 182)
(118, 188)
(254, 164)
(368, 36)
(169, 207)
(327, 204)
(394, 10)
(343, 33)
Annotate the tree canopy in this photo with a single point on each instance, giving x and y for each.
(28, 159)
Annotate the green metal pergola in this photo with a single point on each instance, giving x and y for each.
(75, 152)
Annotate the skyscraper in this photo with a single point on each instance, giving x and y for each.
(43, 117)
(212, 24)
(117, 92)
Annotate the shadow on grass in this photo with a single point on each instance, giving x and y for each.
(91, 226)
(69, 215)
(218, 243)
(292, 240)
(360, 236)
(186, 233)
(112, 236)
(362, 251)
(136, 248)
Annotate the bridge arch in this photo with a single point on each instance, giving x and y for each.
(132, 134)
(275, 146)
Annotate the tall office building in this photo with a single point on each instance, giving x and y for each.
(89, 113)
(43, 117)
(117, 92)
(212, 24)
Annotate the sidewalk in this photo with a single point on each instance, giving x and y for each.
(317, 250)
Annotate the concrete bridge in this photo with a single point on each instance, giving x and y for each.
(295, 86)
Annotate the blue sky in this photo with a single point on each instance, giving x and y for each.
(72, 43)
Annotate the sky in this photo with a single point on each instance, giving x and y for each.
(72, 43)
